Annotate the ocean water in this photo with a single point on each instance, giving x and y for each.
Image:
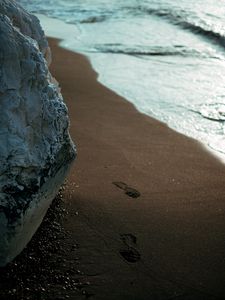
(165, 56)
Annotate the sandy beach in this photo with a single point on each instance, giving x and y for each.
(145, 206)
(175, 228)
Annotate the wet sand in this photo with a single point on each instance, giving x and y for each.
(166, 243)
(143, 207)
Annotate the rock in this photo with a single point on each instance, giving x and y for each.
(26, 23)
(35, 150)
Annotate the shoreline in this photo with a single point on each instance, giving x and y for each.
(50, 24)
(142, 211)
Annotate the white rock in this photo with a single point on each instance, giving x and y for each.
(35, 149)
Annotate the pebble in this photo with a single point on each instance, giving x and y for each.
(43, 265)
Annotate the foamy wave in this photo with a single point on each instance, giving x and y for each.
(214, 112)
(74, 13)
(190, 22)
(140, 50)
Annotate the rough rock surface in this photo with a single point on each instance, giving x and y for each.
(35, 149)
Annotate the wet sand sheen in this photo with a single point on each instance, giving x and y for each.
(150, 201)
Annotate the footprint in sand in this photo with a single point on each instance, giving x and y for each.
(129, 191)
(128, 252)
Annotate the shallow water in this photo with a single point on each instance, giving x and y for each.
(167, 57)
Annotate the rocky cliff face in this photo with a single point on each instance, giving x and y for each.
(35, 147)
